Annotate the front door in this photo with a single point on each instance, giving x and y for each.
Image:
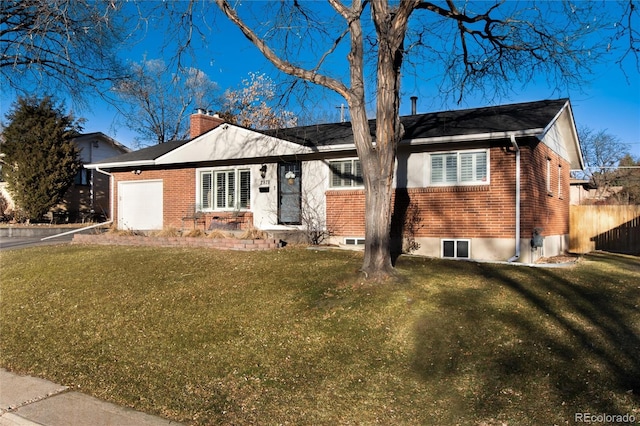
(289, 193)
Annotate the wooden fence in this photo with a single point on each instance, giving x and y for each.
(608, 228)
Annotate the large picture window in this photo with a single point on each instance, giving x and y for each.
(346, 173)
(224, 189)
(459, 168)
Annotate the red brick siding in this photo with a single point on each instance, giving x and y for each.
(541, 209)
(179, 196)
(202, 123)
(484, 211)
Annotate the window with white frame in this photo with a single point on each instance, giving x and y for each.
(459, 168)
(354, 241)
(457, 249)
(559, 181)
(549, 176)
(346, 173)
(224, 189)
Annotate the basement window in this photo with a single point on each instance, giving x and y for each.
(354, 241)
(456, 249)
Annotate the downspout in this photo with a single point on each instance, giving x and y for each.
(111, 193)
(73, 231)
(516, 256)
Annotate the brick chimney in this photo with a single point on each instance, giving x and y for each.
(202, 121)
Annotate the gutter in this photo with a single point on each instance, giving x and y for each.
(516, 256)
(73, 231)
(475, 137)
(121, 165)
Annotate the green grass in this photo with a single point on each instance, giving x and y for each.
(295, 337)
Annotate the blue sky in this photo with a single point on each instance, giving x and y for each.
(608, 101)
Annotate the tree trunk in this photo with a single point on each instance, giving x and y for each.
(377, 157)
(378, 164)
(377, 255)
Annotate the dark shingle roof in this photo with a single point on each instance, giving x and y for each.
(503, 118)
(145, 154)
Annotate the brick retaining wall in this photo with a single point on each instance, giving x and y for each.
(217, 243)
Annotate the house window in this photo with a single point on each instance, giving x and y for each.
(459, 168)
(224, 189)
(559, 181)
(83, 177)
(354, 241)
(346, 173)
(549, 177)
(456, 249)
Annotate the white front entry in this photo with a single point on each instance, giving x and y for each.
(140, 205)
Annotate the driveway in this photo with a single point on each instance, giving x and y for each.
(13, 243)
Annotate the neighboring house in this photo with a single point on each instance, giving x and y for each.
(475, 183)
(585, 192)
(89, 197)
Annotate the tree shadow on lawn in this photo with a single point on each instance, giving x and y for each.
(542, 345)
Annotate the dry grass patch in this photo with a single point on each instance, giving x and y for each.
(167, 232)
(218, 234)
(253, 234)
(294, 336)
(194, 233)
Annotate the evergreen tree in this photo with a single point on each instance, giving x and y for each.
(40, 158)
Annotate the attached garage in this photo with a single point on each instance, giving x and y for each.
(140, 205)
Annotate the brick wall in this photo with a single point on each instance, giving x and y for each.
(201, 123)
(484, 211)
(541, 208)
(179, 197)
(138, 240)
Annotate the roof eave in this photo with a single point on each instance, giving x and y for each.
(120, 164)
(538, 132)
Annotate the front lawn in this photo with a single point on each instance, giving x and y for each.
(293, 336)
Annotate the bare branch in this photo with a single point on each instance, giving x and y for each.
(280, 63)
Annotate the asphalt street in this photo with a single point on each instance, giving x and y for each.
(13, 243)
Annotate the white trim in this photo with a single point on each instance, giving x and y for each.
(516, 256)
(120, 165)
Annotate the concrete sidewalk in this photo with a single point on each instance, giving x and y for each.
(29, 401)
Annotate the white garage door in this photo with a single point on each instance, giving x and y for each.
(140, 205)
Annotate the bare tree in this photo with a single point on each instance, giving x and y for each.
(66, 46)
(252, 106)
(157, 102)
(602, 153)
(628, 31)
(472, 45)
